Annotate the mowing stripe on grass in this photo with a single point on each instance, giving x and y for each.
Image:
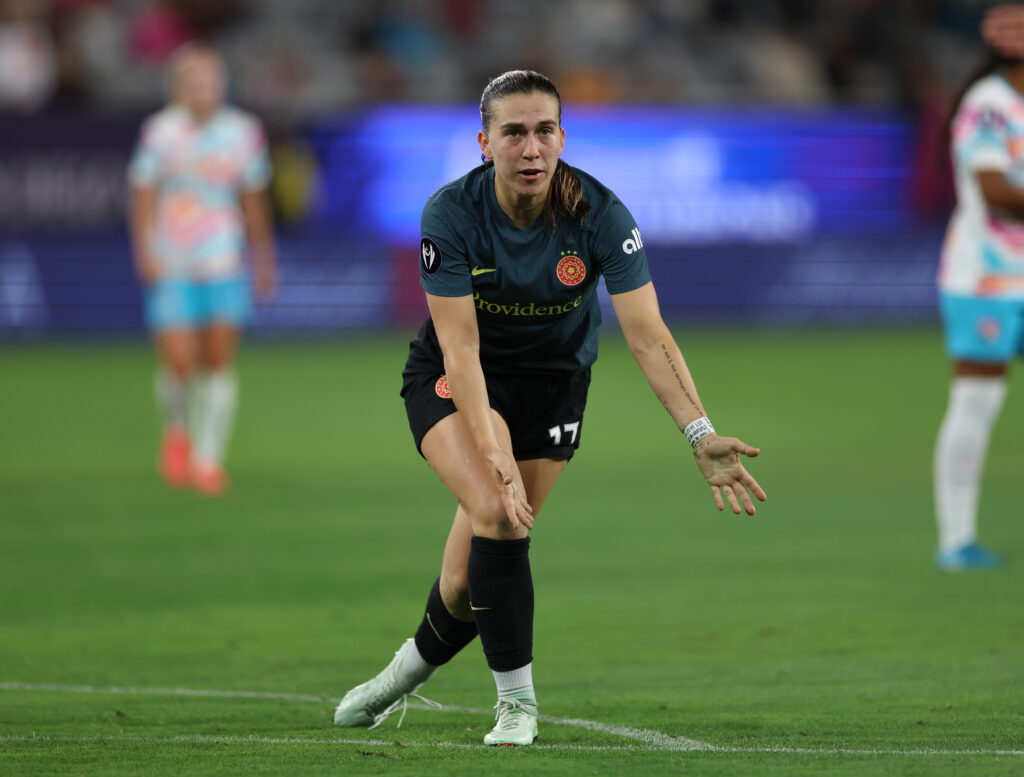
(15, 686)
(655, 739)
(650, 740)
(862, 751)
(227, 740)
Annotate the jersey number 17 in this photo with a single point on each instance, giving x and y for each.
(570, 429)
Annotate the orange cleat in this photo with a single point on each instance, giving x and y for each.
(174, 453)
(210, 479)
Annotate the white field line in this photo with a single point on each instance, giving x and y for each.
(654, 739)
(648, 739)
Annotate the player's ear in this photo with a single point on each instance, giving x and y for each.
(485, 146)
(562, 147)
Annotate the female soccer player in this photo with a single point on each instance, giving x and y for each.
(981, 281)
(199, 177)
(496, 383)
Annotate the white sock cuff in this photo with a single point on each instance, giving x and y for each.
(415, 669)
(983, 396)
(222, 379)
(217, 398)
(167, 376)
(514, 682)
(172, 397)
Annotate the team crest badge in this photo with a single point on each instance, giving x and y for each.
(989, 329)
(570, 270)
(441, 388)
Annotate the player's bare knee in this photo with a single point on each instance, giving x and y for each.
(484, 508)
(454, 584)
(500, 529)
(455, 594)
(489, 518)
(180, 368)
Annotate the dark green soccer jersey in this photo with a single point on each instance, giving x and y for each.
(535, 292)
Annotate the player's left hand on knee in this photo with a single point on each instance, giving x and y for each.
(719, 462)
(510, 488)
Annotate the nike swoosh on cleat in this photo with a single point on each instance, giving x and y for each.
(481, 270)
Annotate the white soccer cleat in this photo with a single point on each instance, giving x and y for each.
(517, 724)
(373, 702)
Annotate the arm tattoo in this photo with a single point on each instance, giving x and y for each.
(679, 379)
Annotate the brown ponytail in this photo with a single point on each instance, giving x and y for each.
(566, 196)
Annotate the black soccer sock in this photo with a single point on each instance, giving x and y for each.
(441, 635)
(501, 595)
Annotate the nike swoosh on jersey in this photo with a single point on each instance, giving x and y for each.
(481, 270)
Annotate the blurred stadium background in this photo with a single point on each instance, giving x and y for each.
(778, 153)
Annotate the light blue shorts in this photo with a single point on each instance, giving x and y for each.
(980, 329)
(174, 303)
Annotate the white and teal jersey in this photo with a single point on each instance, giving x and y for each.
(198, 170)
(535, 290)
(983, 254)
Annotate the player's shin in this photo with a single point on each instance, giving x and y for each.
(171, 399)
(172, 402)
(441, 635)
(974, 405)
(501, 598)
(218, 396)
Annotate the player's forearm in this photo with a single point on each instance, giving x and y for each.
(259, 232)
(141, 217)
(663, 365)
(469, 392)
(1001, 195)
(263, 255)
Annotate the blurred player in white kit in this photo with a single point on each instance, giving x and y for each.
(199, 211)
(981, 281)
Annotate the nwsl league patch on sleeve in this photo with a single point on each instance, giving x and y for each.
(430, 256)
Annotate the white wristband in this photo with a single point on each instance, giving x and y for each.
(696, 431)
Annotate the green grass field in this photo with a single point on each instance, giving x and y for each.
(814, 638)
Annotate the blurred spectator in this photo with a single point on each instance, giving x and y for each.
(307, 57)
(932, 184)
(156, 31)
(28, 56)
(160, 27)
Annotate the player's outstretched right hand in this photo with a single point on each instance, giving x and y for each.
(719, 462)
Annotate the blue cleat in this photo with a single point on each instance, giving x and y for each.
(968, 557)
